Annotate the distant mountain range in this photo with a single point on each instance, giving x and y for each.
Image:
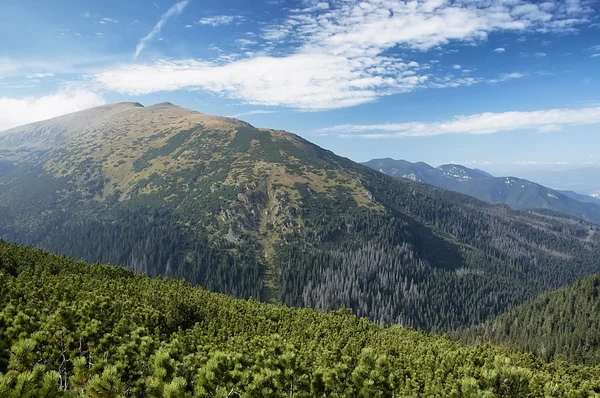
(515, 192)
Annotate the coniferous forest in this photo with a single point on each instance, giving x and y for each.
(73, 329)
(563, 324)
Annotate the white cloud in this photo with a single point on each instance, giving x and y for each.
(18, 111)
(506, 76)
(334, 54)
(500, 50)
(245, 43)
(220, 20)
(451, 81)
(539, 55)
(595, 55)
(483, 123)
(39, 75)
(456, 66)
(110, 20)
(307, 81)
(254, 112)
(173, 11)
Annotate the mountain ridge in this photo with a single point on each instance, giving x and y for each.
(266, 214)
(515, 192)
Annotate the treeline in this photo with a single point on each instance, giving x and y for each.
(559, 325)
(73, 329)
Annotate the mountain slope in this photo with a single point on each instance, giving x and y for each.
(103, 331)
(581, 197)
(562, 324)
(266, 214)
(515, 192)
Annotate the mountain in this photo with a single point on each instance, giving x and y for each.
(71, 329)
(515, 192)
(581, 197)
(562, 325)
(263, 213)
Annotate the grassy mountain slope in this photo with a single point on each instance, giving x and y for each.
(77, 330)
(562, 324)
(266, 214)
(515, 192)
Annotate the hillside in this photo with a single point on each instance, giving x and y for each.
(581, 197)
(263, 213)
(80, 330)
(559, 325)
(515, 192)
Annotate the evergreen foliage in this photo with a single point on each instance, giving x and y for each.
(89, 330)
(563, 324)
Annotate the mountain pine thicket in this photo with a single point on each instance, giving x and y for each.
(71, 329)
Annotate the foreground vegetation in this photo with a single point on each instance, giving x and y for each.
(68, 328)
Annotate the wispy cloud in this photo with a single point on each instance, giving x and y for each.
(110, 20)
(254, 112)
(220, 20)
(483, 123)
(18, 111)
(500, 50)
(336, 54)
(452, 81)
(39, 75)
(172, 12)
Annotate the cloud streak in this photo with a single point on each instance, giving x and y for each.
(477, 124)
(220, 20)
(172, 12)
(254, 112)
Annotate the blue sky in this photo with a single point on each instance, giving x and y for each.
(500, 85)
